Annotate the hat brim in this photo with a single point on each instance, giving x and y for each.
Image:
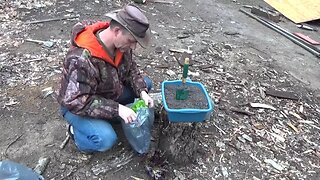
(144, 42)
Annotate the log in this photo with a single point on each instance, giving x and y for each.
(178, 141)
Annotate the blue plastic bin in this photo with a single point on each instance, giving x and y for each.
(186, 115)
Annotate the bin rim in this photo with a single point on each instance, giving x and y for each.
(186, 110)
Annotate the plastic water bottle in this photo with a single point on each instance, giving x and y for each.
(10, 170)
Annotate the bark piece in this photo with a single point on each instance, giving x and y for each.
(248, 113)
(42, 164)
(282, 94)
(180, 50)
(270, 14)
(264, 106)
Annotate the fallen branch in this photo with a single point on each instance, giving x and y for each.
(51, 19)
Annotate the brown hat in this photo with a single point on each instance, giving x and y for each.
(134, 21)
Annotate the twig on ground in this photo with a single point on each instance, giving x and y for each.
(315, 126)
(66, 140)
(52, 19)
(248, 113)
(15, 140)
(233, 146)
(118, 170)
(246, 173)
(223, 132)
(31, 60)
(135, 178)
(160, 1)
(228, 82)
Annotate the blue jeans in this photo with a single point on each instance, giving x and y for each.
(92, 135)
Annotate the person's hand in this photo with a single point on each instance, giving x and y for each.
(127, 114)
(147, 99)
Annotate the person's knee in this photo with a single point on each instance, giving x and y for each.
(104, 141)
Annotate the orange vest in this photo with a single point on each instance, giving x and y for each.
(87, 39)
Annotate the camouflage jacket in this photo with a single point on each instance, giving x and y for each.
(91, 80)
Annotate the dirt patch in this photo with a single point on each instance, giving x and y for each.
(196, 99)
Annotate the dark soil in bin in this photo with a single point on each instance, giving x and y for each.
(196, 99)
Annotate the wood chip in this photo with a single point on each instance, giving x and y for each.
(183, 36)
(274, 164)
(306, 122)
(136, 178)
(301, 108)
(295, 115)
(248, 113)
(293, 127)
(282, 94)
(258, 126)
(206, 66)
(42, 164)
(180, 50)
(255, 158)
(265, 106)
(262, 93)
(280, 138)
(162, 66)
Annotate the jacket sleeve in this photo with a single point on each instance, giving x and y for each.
(137, 82)
(79, 93)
